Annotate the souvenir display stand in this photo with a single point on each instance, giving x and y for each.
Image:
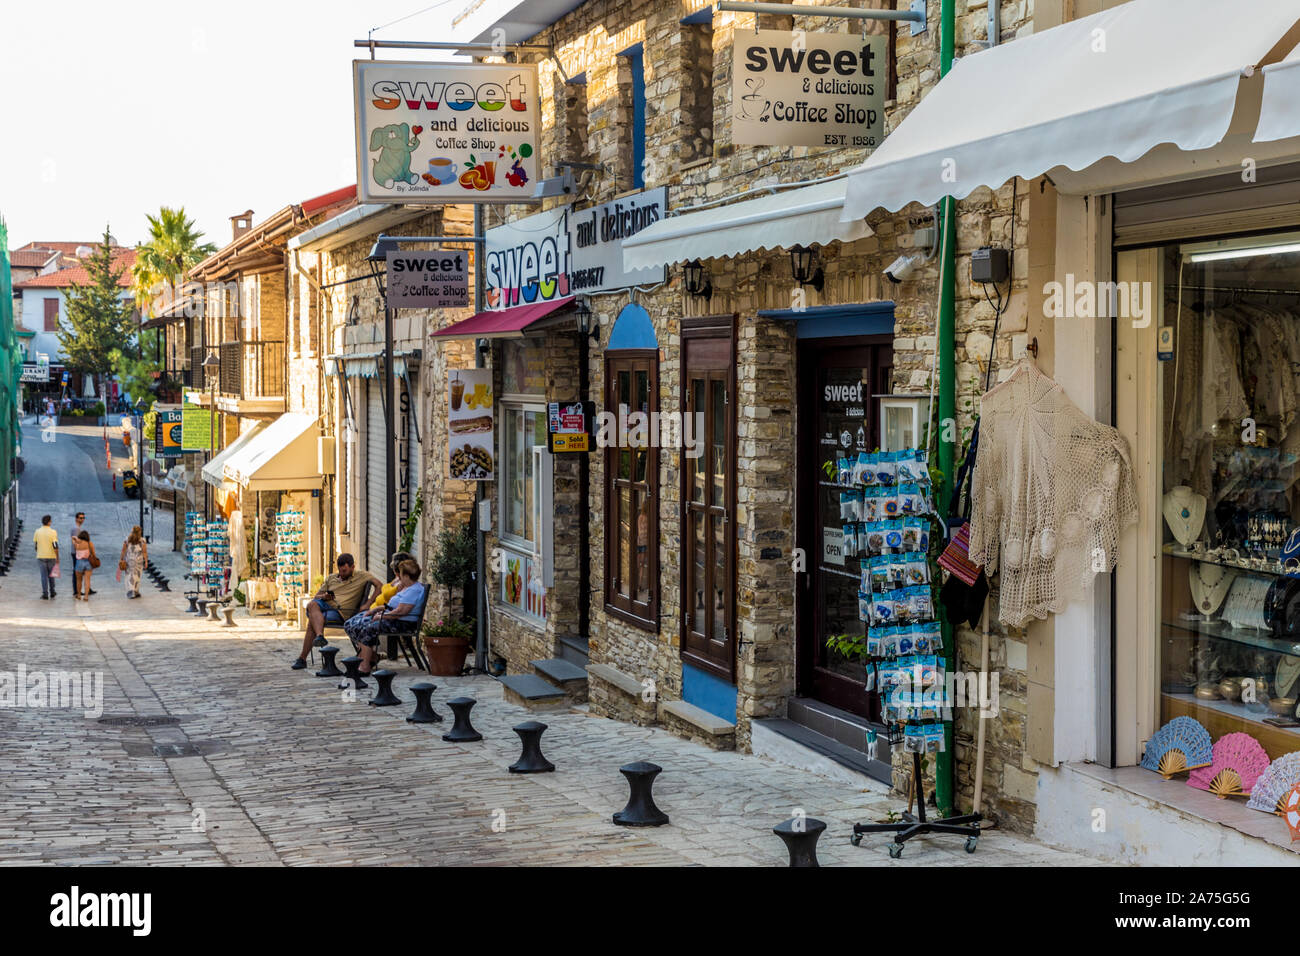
(886, 506)
(290, 557)
(208, 552)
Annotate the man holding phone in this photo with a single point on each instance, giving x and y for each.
(340, 597)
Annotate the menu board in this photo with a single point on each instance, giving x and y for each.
(470, 424)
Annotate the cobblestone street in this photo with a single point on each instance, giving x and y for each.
(284, 769)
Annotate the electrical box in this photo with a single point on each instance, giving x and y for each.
(325, 455)
(990, 264)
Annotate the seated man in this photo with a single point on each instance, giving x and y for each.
(401, 612)
(339, 598)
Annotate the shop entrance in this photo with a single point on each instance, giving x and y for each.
(837, 417)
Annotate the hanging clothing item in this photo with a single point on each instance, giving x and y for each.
(1052, 491)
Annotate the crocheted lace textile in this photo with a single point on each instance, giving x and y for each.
(1052, 492)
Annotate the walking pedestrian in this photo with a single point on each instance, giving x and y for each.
(85, 562)
(135, 555)
(78, 527)
(46, 540)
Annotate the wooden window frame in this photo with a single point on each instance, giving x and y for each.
(702, 328)
(644, 615)
(51, 326)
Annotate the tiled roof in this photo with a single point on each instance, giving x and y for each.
(77, 274)
(30, 258)
(67, 248)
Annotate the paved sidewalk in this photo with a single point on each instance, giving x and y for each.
(281, 767)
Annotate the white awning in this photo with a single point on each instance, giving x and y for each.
(282, 457)
(212, 470)
(1279, 117)
(801, 215)
(1117, 83)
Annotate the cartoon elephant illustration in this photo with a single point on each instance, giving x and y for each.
(395, 144)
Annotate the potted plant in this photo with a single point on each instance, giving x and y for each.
(453, 564)
(446, 644)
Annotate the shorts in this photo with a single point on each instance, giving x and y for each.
(332, 616)
(81, 564)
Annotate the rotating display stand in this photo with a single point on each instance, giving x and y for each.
(966, 825)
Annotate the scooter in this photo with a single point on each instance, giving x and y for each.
(130, 483)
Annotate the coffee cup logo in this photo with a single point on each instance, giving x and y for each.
(753, 105)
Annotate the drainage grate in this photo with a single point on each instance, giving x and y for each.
(136, 720)
(188, 748)
(177, 750)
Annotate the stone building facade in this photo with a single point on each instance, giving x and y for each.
(637, 673)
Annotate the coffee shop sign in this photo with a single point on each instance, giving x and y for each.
(563, 252)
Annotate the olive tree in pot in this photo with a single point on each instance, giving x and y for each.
(448, 641)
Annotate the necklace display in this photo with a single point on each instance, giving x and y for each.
(1209, 585)
(1184, 512)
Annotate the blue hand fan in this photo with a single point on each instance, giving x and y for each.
(1182, 744)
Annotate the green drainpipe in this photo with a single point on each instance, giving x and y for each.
(947, 345)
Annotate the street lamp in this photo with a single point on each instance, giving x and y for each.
(801, 267)
(377, 260)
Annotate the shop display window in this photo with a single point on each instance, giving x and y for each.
(1230, 562)
(523, 432)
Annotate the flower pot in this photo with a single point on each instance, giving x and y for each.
(446, 655)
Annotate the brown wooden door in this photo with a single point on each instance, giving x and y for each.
(837, 417)
(708, 533)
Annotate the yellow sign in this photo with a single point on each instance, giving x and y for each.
(579, 442)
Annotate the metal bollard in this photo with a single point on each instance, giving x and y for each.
(462, 731)
(424, 712)
(531, 759)
(193, 608)
(214, 611)
(328, 667)
(800, 835)
(384, 696)
(640, 810)
(353, 665)
(229, 613)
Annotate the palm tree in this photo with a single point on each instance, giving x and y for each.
(173, 248)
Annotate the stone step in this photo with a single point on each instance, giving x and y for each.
(570, 678)
(574, 650)
(534, 693)
(696, 723)
(784, 741)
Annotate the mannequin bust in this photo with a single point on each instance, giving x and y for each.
(1184, 512)
(1209, 585)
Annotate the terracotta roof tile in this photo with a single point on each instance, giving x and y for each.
(77, 274)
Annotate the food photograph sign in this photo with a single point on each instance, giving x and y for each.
(793, 88)
(470, 424)
(446, 132)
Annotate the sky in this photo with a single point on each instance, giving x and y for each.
(119, 108)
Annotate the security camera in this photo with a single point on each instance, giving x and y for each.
(903, 268)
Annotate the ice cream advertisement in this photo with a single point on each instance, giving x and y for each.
(446, 132)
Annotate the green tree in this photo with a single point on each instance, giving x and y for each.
(98, 320)
(137, 376)
(174, 247)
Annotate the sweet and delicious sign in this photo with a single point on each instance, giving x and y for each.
(446, 132)
(428, 280)
(564, 251)
(793, 88)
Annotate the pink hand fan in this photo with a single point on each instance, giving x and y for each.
(1237, 761)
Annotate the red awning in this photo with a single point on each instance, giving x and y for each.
(503, 323)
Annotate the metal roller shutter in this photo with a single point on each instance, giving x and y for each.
(1213, 205)
(376, 492)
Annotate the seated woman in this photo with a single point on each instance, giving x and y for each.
(366, 627)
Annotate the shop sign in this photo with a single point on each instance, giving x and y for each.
(428, 280)
(168, 439)
(196, 427)
(833, 546)
(570, 425)
(469, 424)
(562, 252)
(35, 372)
(793, 88)
(446, 132)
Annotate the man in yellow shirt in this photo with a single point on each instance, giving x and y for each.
(47, 555)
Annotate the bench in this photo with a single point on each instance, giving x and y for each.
(407, 638)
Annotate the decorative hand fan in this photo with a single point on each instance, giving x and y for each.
(1182, 744)
(1291, 812)
(1272, 786)
(1237, 763)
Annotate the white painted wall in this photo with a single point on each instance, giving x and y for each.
(33, 318)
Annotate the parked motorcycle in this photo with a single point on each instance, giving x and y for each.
(130, 483)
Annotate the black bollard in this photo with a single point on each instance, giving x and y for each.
(801, 842)
(384, 696)
(353, 665)
(462, 731)
(640, 810)
(203, 607)
(193, 608)
(424, 712)
(328, 667)
(531, 759)
(162, 585)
